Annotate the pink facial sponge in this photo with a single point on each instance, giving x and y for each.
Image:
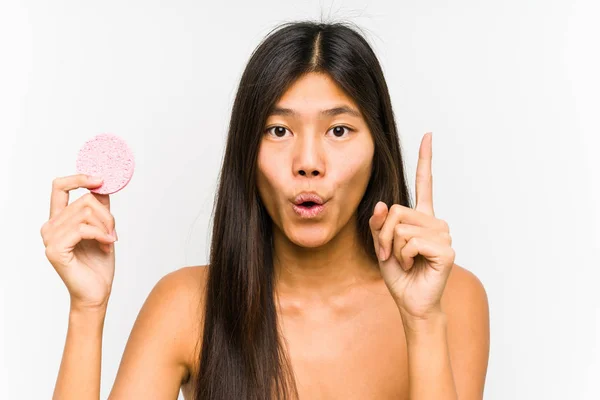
(109, 157)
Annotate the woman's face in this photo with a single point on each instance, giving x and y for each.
(304, 150)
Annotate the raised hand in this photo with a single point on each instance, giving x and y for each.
(414, 247)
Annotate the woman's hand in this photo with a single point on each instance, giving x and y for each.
(414, 247)
(78, 242)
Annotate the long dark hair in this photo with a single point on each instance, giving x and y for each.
(241, 354)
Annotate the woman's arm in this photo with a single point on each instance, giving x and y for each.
(429, 368)
(158, 353)
(79, 374)
(448, 354)
(161, 347)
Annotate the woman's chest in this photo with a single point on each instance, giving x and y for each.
(358, 353)
(356, 357)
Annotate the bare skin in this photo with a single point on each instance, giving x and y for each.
(355, 347)
(344, 330)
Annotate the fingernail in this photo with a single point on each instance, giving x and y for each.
(114, 235)
(382, 254)
(96, 179)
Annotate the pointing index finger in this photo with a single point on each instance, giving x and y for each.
(424, 182)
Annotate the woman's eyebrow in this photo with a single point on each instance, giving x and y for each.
(332, 112)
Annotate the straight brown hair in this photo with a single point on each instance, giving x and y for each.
(241, 354)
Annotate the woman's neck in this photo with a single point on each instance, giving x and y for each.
(323, 272)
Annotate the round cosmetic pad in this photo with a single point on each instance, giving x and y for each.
(109, 157)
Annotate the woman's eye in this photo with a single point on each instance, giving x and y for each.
(279, 131)
(340, 130)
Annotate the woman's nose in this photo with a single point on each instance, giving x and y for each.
(308, 159)
(314, 172)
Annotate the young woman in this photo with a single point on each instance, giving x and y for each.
(323, 281)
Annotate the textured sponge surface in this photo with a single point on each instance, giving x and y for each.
(108, 156)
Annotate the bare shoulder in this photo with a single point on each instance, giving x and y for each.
(184, 290)
(465, 303)
(465, 298)
(462, 284)
(189, 284)
(161, 350)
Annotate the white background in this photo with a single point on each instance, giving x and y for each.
(509, 89)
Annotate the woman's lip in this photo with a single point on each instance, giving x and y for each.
(308, 212)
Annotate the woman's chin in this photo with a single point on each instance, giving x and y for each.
(309, 237)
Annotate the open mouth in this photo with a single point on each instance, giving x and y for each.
(309, 209)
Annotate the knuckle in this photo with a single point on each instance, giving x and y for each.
(56, 183)
(49, 224)
(79, 179)
(50, 252)
(44, 229)
(398, 229)
(87, 211)
(444, 226)
(395, 208)
(44, 234)
(451, 253)
(88, 197)
(81, 229)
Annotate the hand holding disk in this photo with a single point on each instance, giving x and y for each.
(79, 237)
